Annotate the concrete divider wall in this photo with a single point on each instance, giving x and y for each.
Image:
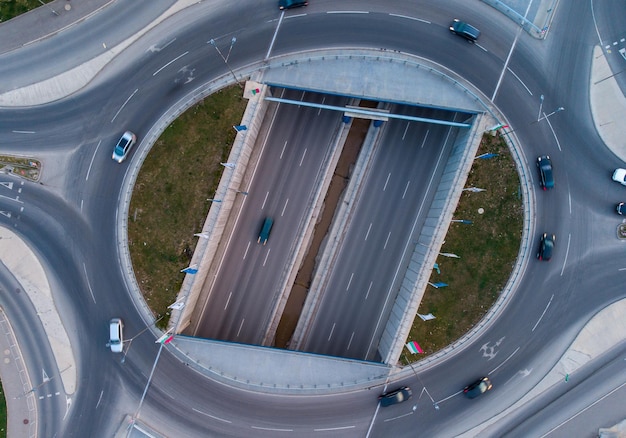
(219, 213)
(430, 240)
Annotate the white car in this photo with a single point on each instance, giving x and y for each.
(122, 148)
(116, 336)
(620, 176)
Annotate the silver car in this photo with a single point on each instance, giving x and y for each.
(116, 335)
(122, 148)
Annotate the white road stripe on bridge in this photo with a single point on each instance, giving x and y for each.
(387, 181)
(265, 200)
(228, 300)
(350, 281)
(368, 290)
(406, 188)
(266, 256)
(368, 231)
(331, 331)
(240, 326)
(283, 212)
(387, 241)
(302, 159)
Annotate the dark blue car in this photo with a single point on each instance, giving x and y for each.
(546, 178)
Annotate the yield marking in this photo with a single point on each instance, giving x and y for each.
(5, 213)
(8, 185)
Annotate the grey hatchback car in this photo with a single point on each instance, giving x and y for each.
(478, 387)
(465, 30)
(290, 4)
(394, 397)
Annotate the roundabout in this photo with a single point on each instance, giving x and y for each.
(548, 309)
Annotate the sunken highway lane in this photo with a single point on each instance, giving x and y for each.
(70, 220)
(395, 195)
(291, 167)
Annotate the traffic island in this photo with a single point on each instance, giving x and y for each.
(27, 168)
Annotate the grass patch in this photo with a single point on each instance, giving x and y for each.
(3, 413)
(13, 8)
(488, 249)
(169, 202)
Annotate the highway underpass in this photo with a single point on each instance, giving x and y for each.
(314, 86)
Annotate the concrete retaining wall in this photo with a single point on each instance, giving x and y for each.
(220, 212)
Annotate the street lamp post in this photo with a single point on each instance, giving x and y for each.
(559, 109)
(225, 59)
(435, 405)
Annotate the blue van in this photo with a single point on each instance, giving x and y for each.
(266, 229)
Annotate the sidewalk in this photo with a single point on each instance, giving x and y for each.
(46, 21)
(16, 384)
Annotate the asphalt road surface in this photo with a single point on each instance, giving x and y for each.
(70, 220)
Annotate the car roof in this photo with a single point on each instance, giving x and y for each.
(466, 28)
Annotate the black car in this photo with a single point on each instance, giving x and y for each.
(546, 178)
(621, 208)
(394, 397)
(478, 387)
(467, 31)
(546, 246)
(288, 4)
